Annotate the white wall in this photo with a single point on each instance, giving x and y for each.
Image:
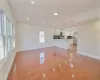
(96, 24)
(6, 63)
(28, 37)
(89, 38)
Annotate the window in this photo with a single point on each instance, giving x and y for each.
(1, 36)
(41, 36)
(7, 36)
(1, 47)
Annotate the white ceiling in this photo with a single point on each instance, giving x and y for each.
(43, 10)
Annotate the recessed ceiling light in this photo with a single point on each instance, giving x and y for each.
(67, 19)
(32, 2)
(74, 22)
(56, 13)
(43, 22)
(27, 18)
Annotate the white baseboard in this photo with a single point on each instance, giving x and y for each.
(89, 55)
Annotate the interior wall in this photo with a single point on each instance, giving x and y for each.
(96, 24)
(6, 63)
(28, 37)
(88, 40)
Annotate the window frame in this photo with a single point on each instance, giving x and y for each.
(2, 33)
(6, 34)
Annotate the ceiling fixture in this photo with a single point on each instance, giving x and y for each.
(56, 13)
(67, 19)
(32, 2)
(74, 22)
(27, 18)
(43, 22)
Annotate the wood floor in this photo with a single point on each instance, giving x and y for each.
(54, 63)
